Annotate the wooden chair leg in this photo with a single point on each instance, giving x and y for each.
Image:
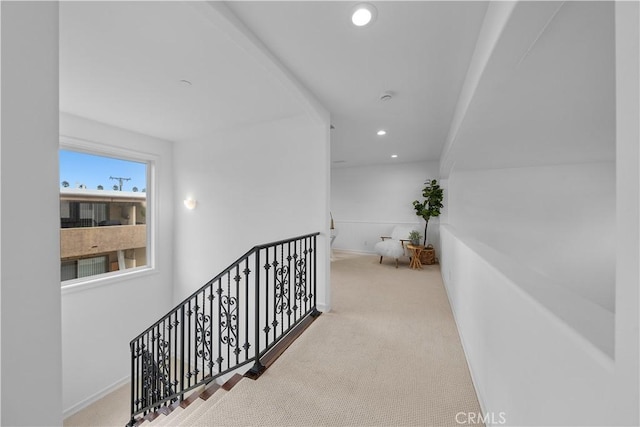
(381, 260)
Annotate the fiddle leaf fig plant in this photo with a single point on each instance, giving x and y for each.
(431, 205)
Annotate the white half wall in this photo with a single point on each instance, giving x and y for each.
(368, 201)
(541, 241)
(99, 320)
(525, 361)
(253, 185)
(30, 281)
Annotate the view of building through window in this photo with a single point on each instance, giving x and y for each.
(103, 214)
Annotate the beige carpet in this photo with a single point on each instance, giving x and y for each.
(387, 355)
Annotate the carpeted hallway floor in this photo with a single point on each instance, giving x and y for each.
(387, 355)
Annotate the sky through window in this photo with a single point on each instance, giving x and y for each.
(91, 170)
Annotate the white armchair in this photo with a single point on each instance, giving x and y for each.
(394, 246)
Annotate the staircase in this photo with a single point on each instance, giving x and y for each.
(189, 410)
(249, 313)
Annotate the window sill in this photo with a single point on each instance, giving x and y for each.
(83, 284)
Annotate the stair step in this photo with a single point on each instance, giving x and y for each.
(193, 396)
(164, 413)
(209, 390)
(157, 422)
(155, 418)
(231, 382)
(177, 417)
(189, 416)
(180, 413)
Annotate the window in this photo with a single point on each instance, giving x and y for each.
(103, 215)
(82, 214)
(73, 269)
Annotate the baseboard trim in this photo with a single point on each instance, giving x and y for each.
(325, 308)
(94, 398)
(474, 381)
(350, 251)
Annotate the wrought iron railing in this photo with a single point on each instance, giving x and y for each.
(233, 320)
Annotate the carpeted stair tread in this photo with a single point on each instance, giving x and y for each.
(211, 401)
(160, 421)
(206, 400)
(193, 413)
(166, 415)
(176, 417)
(203, 416)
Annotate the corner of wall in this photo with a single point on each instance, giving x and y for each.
(496, 18)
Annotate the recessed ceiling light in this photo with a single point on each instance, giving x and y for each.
(382, 132)
(394, 156)
(363, 14)
(386, 95)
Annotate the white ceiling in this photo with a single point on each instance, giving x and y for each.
(419, 50)
(121, 63)
(546, 95)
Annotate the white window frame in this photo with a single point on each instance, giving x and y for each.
(151, 160)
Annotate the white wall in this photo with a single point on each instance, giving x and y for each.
(550, 219)
(31, 350)
(540, 255)
(367, 201)
(627, 372)
(98, 321)
(253, 185)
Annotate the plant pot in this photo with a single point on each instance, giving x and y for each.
(428, 256)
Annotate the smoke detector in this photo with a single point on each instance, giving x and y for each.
(385, 96)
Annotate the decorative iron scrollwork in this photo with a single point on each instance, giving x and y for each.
(282, 289)
(156, 377)
(301, 280)
(228, 320)
(203, 336)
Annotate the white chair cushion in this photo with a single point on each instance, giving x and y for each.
(390, 248)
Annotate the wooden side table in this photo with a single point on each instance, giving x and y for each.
(415, 259)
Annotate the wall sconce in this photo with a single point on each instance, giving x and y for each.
(190, 203)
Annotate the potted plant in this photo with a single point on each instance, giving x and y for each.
(415, 237)
(431, 205)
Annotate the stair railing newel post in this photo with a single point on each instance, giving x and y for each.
(257, 366)
(246, 344)
(182, 352)
(314, 287)
(132, 421)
